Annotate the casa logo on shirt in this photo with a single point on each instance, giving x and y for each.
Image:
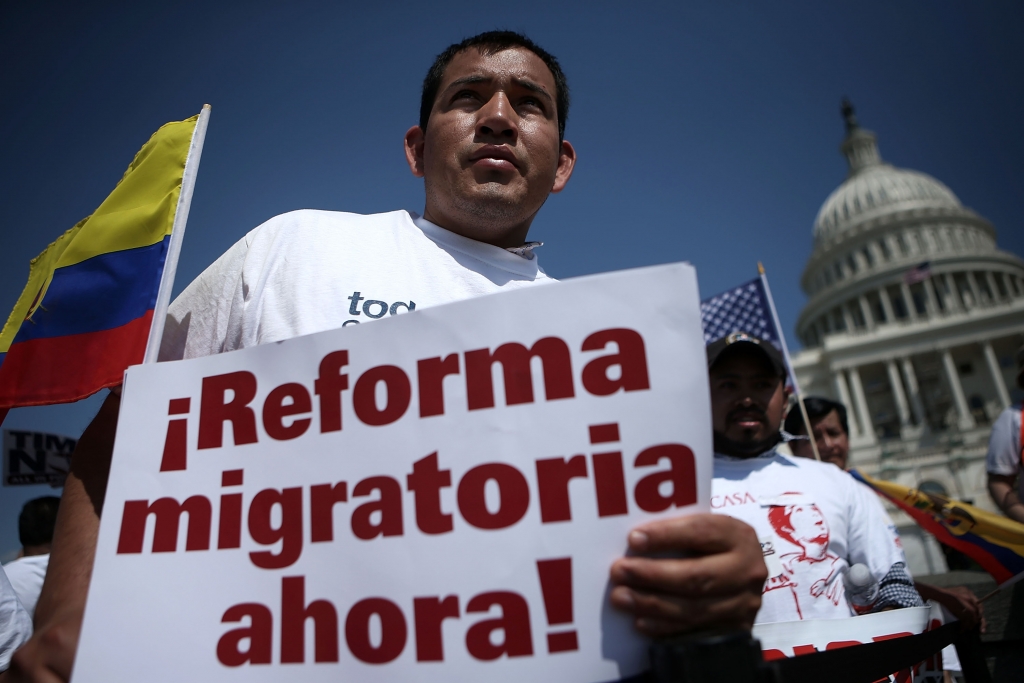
(374, 308)
(731, 499)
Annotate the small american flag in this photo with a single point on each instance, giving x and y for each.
(919, 273)
(743, 308)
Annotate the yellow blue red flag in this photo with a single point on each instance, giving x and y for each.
(993, 541)
(87, 311)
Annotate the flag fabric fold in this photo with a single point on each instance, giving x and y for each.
(86, 313)
(991, 540)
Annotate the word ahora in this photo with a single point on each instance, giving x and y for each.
(508, 634)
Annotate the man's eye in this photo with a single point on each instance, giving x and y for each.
(464, 95)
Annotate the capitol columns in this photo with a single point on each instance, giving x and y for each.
(908, 300)
(966, 420)
(901, 398)
(997, 375)
(972, 282)
(843, 392)
(910, 377)
(883, 295)
(991, 280)
(848, 319)
(954, 302)
(933, 300)
(861, 403)
(865, 310)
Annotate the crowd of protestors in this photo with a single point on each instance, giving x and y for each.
(490, 147)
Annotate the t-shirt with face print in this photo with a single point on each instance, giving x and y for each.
(814, 521)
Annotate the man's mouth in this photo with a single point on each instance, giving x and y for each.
(494, 156)
(747, 418)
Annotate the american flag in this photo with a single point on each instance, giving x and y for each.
(743, 308)
(919, 273)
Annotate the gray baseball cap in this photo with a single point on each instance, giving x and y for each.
(741, 339)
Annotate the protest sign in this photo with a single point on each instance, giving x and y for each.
(36, 458)
(795, 638)
(435, 496)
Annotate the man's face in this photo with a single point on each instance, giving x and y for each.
(747, 398)
(491, 155)
(833, 443)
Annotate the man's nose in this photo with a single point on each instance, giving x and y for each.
(497, 120)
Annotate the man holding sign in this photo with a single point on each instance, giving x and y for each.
(490, 146)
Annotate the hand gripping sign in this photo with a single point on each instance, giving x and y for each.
(437, 496)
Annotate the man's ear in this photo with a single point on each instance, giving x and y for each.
(566, 163)
(414, 138)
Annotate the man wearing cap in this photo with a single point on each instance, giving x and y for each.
(813, 520)
(1005, 459)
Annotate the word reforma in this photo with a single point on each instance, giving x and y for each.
(287, 412)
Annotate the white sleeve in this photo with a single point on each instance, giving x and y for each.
(873, 538)
(201, 319)
(15, 624)
(1003, 455)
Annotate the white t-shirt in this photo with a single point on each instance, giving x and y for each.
(814, 521)
(15, 623)
(26, 575)
(309, 271)
(1004, 446)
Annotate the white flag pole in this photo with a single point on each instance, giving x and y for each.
(188, 183)
(789, 365)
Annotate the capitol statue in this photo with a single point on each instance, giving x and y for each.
(913, 319)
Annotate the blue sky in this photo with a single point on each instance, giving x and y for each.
(707, 132)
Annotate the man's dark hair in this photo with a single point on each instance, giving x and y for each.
(817, 408)
(489, 43)
(36, 521)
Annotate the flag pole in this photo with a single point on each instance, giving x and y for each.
(789, 365)
(1005, 584)
(188, 183)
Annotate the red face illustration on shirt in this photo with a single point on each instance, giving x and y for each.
(802, 525)
(812, 572)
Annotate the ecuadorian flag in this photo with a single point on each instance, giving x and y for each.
(993, 541)
(85, 314)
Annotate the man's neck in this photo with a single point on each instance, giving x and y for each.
(744, 449)
(33, 550)
(498, 236)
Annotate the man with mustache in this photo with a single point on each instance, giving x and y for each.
(813, 520)
(490, 148)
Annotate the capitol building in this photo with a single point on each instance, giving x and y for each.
(913, 319)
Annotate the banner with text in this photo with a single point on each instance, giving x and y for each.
(36, 458)
(436, 496)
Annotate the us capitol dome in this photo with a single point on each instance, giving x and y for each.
(913, 319)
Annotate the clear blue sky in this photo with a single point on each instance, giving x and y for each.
(707, 133)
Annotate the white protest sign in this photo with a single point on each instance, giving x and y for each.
(794, 638)
(436, 496)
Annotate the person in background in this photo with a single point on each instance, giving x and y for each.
(832, 436)
(15, 624)
(813, 521)
(35, 531)
(1005, 459)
